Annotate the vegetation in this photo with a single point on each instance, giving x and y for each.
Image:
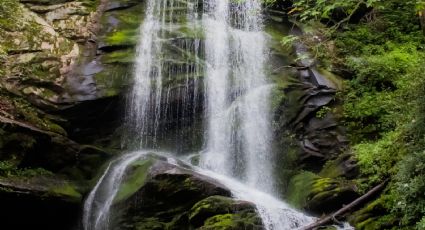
(10, 11)
(378, 46)
(9, 169)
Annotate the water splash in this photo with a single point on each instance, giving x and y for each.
(275, 214)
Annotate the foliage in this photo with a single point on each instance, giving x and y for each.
(323, 9)
(321, 113)
(380, 97)
(10, 11)
(381, 56)
(9, 169)
(377, 159)
(289, 40)
(410, 189)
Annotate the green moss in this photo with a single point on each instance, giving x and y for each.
(122, 38)
(300, 187)
(135, 180)
(335, 79)
(244, 220)
(112, 79)
(336, 168)
(68, 191)
(211, 206)
(277, 31)
(121, 57)
(331, 170)
(220, 222)
(125, 29)
(309, 191)
(375, 215)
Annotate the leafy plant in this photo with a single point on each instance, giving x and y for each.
(410, 189)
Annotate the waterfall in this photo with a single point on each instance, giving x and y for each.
(238, 135)
(145, 99)
(231, 56)
(152, 93)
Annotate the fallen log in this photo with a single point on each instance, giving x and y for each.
(332, 217)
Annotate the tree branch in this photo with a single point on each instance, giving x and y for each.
(332, 217)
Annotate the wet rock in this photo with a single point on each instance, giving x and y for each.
(216, 205)
(163, 194)
(344, 166)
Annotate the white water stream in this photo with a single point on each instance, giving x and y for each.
(238, 133)
(237, 141)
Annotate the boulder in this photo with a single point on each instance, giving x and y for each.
(158, 195)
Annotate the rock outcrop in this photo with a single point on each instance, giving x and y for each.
(42, 202)
(316, 164)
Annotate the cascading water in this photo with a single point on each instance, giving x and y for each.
(155, 70)
(237, 149)
(98, 203)
(238, 136)
(145, 98)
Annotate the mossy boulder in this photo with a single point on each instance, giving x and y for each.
(155, 194)
(217, 205)
(243, 220)
(320, 195)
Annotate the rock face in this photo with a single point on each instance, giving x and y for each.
(173, 197)
(316, 163)
(44, 129)
(47, 121)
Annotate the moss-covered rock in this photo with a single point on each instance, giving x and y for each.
(135, 180)
(375, 215)
(344, 166)
(157, 195)
(243, 220)
(320, 195)
(215, 205)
